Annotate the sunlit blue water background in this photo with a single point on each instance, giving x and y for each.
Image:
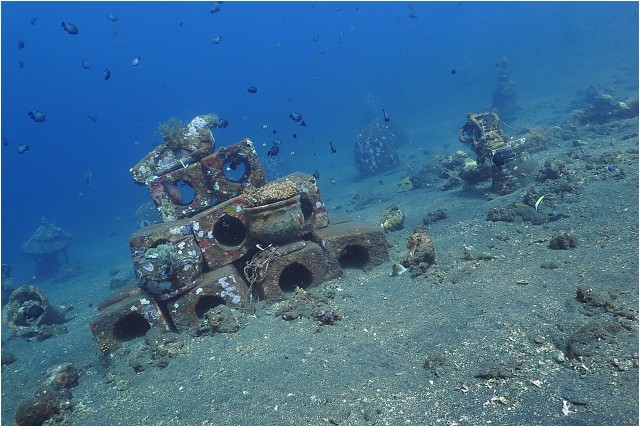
(335, 63)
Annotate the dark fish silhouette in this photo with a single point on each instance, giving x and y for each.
(222, 123)
(20, 65)
(333, 147)
(37, 116)
(252, 89)
(386, 115)
(20, 44)
(70, 28)
(316, 174)
(296, 117)
(454, 71)
(33, 21)
(295, 135)
(111, 17)
(273, 151)
(93, 118)
(4, 141)
(215, 8)
(107, 74)
(86, 65)
(22, 148)
(303, 123)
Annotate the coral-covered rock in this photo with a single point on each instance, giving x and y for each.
(421, 252)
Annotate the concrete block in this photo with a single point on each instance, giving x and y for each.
(299, 264)
(353, 245)
(166, 260)
(127, 319)
(222, 286)
(230, 169)
(181, 193)
(222, 233)
(313, 208)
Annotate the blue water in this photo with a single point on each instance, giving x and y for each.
(335, 63)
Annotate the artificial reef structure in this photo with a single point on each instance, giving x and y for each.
(504, 95)
(228, 236)
(487, 140)
(48, 247)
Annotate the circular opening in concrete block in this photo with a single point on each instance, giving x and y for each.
(131, 326)
(295, 275)
(180, 193)
(306, 206)
(229, 231)
(354, 256)
(236, 168)
(206, 303)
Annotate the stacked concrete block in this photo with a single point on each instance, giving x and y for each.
(222, 286)
(221, 232)
(166, 259)
(353, 244)
(299, 264)
(231, 169)
(126, 319)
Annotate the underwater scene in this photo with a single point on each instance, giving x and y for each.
(319, 213)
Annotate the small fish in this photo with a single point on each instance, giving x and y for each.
(20, 65)
(274, 131)
(37, 116)
(112, 17)
(332, 146)
(86, 65)
(217, 39)
(222, 123)
(386, 115)
(413, 15)
(537, 205)
(303, 123)
(381, 181)
(316, 175)
(453, 71)
(135, 61)
(20, 44)
(22, 148)
(333, 181)
(70, 28)
(215, 8)
(296, 117)
(93, 118)
(252, 89)
(33, 21)
(295, 135)
(88, 178)
(4, 141)
(273, 151)
(107, 74)
(293, 153)
(265, 126)
(397, 269)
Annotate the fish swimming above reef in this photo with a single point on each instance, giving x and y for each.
(111, 17)
(316, 175)
(273, 151)
(332, 146)
(37, 116)
(386, 115)
(86, 65)
(22, 148)
(70, 28)
(107, 74)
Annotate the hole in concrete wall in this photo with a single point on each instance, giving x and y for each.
(180, 193)
(306, 206)
(131, 326)
(236, 168)
(354, 256)
(207, 302)
(293, 275)
(229, 231)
